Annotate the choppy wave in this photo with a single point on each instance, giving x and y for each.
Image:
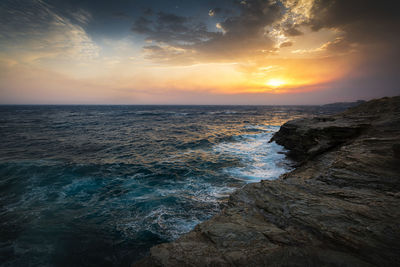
(260, 159)
(93, 185)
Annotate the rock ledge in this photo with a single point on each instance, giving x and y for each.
(339, 207)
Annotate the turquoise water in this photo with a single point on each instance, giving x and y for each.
(100, 185)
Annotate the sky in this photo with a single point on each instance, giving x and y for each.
(250, 52)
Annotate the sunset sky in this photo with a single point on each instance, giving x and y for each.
(198, 52)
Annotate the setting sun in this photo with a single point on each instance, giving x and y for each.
(275, 82)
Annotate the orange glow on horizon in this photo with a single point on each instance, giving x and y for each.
(138, 81)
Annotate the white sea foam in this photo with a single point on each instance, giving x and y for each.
(260, 160)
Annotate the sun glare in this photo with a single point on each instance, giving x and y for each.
(275, 82)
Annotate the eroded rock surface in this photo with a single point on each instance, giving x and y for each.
(340, 207)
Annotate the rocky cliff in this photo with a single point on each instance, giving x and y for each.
(339, 207)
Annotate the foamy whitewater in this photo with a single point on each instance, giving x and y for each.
(100, 185)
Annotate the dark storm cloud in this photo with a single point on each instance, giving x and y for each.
(286, 44)
(254, 16)
(142, 25)
(171, 19)
(363, 21)
(172, 29)
(371, 28)
(235, 36)
(292, 31)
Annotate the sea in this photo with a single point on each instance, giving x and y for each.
(100, 185)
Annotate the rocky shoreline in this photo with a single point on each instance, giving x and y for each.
(339, 207)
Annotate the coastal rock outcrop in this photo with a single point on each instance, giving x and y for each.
(339, 207)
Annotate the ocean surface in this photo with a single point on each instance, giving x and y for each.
(100, 185)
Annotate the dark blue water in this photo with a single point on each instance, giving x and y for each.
(100, 185)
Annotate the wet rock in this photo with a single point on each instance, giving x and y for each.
(396, 150)
(340, 207)
(306, 138)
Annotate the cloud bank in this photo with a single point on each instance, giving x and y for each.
(257, 51)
